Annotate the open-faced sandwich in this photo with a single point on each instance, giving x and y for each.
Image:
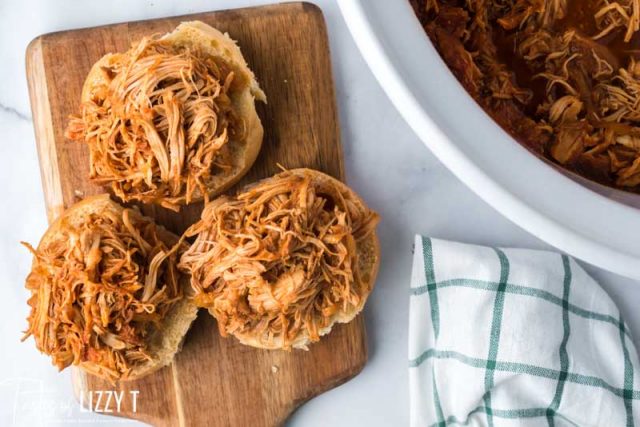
(172, 120)
(106, 294)
(280, 263)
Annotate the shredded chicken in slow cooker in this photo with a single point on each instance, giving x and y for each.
(562, 76)
(280, 259)
(99, 290)
(159, 123)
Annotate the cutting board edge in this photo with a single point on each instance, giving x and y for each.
(304, 5)
(45, 138)
(78, 378)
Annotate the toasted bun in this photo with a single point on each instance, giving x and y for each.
(163, 344)
(245, 91)
(368, 263)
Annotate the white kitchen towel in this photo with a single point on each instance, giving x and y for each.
(511, 337)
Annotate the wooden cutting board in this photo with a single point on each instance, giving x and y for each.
(214, 381)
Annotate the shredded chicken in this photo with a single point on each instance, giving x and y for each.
(99, 290)
(280, 259)
(562, 76)
(158, 123)
(613, 15)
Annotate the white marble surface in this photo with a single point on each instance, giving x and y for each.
(385, 162)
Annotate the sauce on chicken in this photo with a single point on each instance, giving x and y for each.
(98, 290)
(561, 76)
(280, 259)
(158, 123)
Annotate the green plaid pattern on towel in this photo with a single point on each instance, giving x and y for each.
(511, 337)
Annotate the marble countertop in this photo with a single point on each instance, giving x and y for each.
(385, 163)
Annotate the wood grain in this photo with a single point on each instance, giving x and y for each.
(213, 381)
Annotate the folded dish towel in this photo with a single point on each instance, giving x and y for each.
(510, 337)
